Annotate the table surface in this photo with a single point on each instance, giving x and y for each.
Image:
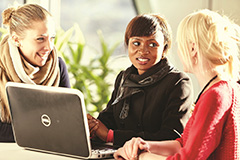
(11, 151)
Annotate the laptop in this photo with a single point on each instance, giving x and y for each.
(53, 120)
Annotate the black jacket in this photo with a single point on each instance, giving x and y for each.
(155, 105)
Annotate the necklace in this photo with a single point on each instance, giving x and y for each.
(209, 82)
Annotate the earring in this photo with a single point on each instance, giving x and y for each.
(17, 44)
(163, 55)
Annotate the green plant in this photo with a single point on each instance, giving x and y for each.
(89, 76)
(102, 70)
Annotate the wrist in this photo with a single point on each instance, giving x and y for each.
(110, 136)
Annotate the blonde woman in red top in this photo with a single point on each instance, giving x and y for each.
(208, 48)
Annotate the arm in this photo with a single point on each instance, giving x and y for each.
(147, 149)
(164, 148)
(147, 156)
(64, 78)
(96, 126)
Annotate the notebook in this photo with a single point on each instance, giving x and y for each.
(53, 120)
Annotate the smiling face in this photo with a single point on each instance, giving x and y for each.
(145, 52)
(38, 42)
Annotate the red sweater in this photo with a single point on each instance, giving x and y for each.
(213, 131)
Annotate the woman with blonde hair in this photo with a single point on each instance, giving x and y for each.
(208, 47)
(27, 55)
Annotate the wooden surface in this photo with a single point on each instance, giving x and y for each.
(11, 151)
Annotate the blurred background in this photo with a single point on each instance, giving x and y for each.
(90, 35)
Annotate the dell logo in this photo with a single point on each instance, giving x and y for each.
(46, 121)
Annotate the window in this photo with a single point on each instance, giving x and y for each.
(110, 16)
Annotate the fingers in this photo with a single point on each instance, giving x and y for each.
(93, 129)
(132, 148)
(143, 145)
(97, 128)
(89, 116)
(119, 154)
(136, 148)
(128, 149)
(93, 125)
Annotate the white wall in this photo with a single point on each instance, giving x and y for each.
(230, 8)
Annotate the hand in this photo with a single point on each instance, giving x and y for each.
(120, 154)
(93, 125)
(131, 149)
(97, 128)
(102, 131)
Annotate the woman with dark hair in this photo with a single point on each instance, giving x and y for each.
(28, 55)
(151, 98)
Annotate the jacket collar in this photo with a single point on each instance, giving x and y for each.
(151, 76)
(131, 82)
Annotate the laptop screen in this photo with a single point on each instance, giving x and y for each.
(49, 119)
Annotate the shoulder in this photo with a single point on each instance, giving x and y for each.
(217, 102)
(226, 89)
(178, 77)
(61, 62)
(221, 89)
(174, 73)
(179, 74)
(220, 94)
(62, 65)
(64, 78)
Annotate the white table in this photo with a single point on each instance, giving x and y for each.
(11, 151)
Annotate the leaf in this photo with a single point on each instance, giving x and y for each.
(62, 38)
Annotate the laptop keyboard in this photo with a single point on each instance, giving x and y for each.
(103, 151)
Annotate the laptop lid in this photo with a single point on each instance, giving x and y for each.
(51, 119)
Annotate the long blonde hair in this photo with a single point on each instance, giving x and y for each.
(216, 37)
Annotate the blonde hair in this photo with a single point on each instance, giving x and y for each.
(216, 37)
(19, 19)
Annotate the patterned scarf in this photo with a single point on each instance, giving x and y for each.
(14, 68)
